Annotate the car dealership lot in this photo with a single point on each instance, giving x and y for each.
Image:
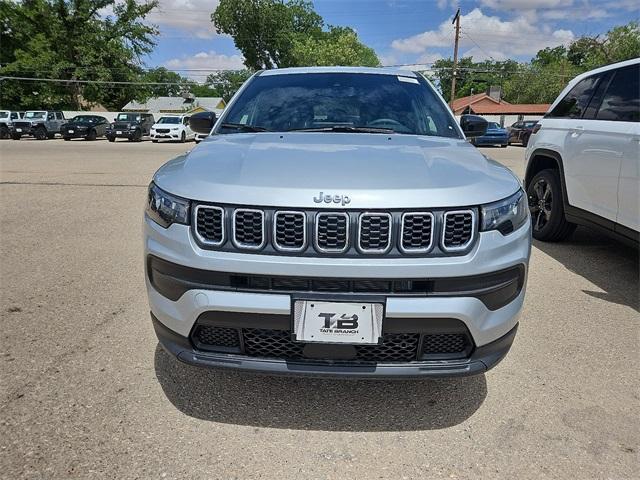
(86, 392)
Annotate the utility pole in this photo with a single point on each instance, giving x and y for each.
(456, 20)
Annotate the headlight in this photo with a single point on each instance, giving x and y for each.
(165, 209)
(506, 215)
(132, 127)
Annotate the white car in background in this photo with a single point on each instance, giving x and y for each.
(583, 157)
(172, 127)
(200, 137)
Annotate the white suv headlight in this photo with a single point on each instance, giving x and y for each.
(505, 215)
(165, 209)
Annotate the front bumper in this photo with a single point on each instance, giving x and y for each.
(491, 327)
(166, 136)
(75, 134)
(481, 360)
(492, 140)
(121, 133)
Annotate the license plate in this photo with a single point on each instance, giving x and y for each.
(71, 131)
(18, 129)
(118, 132)
(337, 322)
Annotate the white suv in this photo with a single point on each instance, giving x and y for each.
(172, 127)
(583, 157)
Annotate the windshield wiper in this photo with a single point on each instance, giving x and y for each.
(344, 129)
(244, 128)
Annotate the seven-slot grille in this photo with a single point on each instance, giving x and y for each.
(458, 230)
(331, 233)
(417, 232)
(290, 231)
(248, 228)
(210, 224)
(374, 232)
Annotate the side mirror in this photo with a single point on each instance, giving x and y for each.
(202, 122)
(473, 125)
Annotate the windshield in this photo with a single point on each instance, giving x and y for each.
(85, 119)
(4, 114)
(173, 120)
(128, 117)
(290, 102)
(529, 124)
(34, 114)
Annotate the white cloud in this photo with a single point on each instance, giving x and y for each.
(192, 16)
(204, 63)
(489, 34)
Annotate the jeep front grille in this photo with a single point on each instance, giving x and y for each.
(290, 231)
(458, 230)
(332, 232)
(374, 232)
(273, 231)
(248, 228)
(417, 232)
(210, 224)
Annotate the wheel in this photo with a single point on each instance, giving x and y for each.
(66, 139)
(183, 137)
(15, 136)
(546, 205)
(40, 133)
(137, 136)
(503, 146)
(51, 136)
(4, 131)
(111, 139)
(91, 135)
(154, 141)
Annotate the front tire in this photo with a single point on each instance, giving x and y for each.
(111, 139)
(546, 205)
(40, 133)
(4, 132)
(183, 137)
(92, 135)
(66, 139)
(16, 137)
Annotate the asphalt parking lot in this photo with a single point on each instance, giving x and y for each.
(87, 393)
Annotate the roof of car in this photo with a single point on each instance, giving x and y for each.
(366, 70)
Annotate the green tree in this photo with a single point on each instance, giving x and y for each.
(275, 33)
(338, 46)
(71, 40)
(226, 83)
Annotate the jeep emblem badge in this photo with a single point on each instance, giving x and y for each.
(328, 198)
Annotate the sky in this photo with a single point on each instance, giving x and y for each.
(400, 31)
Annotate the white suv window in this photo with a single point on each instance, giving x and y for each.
(576, 101)
(621, 102)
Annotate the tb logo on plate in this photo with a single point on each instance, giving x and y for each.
(342, 322)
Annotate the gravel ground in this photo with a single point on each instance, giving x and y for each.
(85, 391)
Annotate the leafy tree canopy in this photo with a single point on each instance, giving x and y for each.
(275, 33)
(71, 39)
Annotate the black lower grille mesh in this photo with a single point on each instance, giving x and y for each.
(395, 347)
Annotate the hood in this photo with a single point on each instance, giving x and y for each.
(373, 170)
(166, 125)
(78, 124)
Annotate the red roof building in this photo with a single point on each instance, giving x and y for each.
(486, 104)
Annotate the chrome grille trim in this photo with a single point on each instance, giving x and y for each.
(444, 230)
(317, 236)
(283, 248)
(361, 249)
(195, 223)
(431, 233)
(242, 245)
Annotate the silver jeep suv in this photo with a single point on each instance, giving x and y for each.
(337, 223)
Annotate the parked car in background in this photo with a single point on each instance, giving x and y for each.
(88, 127)
(583, 158)
(41, 124)
(520, 132)
(130, 125)
(172, 127)
(7, 117)
(496, 135)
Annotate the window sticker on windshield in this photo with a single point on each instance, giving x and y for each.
(408, 80)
